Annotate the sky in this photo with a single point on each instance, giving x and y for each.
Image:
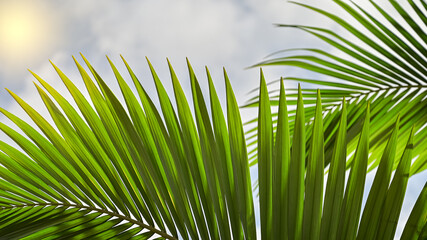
(231, 34)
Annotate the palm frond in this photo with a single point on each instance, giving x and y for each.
(112, 170)
(130, 170)
(301, 213)
(383, 62)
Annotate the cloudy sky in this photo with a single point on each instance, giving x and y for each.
(231, 34)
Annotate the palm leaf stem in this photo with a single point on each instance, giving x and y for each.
(349, 98)
(133, 221)
(391, 88)
(358, 95)
(327, 109)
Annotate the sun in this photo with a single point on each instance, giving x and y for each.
(24, 27)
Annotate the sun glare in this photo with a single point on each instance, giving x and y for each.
(24, 26)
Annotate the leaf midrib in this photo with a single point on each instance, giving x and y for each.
(358, 95)
(391, 88)
(114, 214)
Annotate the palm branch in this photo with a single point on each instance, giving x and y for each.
(383, 62)
(112, 170)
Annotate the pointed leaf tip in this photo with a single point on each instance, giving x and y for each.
(32, 73)
(10, 92)
(262, 79)
(74, 58)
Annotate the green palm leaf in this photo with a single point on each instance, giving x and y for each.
(338, 217)
(131, 170)
(383, 63)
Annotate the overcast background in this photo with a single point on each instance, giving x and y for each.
(231, 34)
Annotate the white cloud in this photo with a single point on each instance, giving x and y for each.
(233, 34)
